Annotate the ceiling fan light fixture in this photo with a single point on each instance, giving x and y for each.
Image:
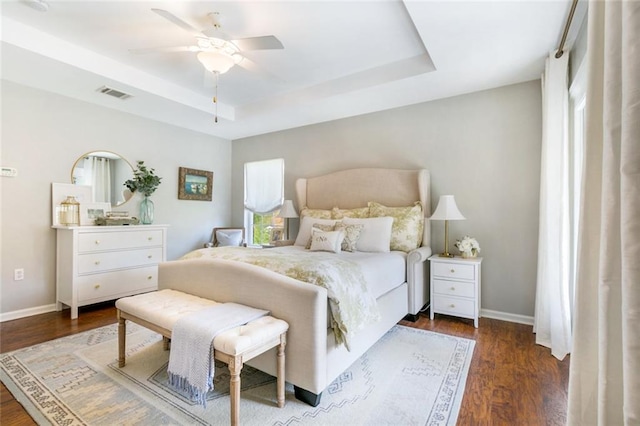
(216, 61)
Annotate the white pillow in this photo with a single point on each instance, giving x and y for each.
(376, 234)
(305, 229)
(229, 237)
(326, 241)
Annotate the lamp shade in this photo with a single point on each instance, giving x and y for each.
(287, 210)
(215, 61)
(447, 209)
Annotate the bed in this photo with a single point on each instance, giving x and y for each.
(316, 354)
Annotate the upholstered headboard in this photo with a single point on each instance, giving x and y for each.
(348, 189)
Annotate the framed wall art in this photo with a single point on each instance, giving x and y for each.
(195, 184)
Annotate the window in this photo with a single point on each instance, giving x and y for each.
(263, 197)
(264, 228)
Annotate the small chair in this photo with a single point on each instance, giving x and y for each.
(221, 237)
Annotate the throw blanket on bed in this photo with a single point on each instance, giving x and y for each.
(191, 365)
(352, 305)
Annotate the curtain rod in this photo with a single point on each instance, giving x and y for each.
(559, 52)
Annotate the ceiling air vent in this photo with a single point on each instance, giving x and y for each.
(113, 92)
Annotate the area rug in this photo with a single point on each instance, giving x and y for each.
(410, 377)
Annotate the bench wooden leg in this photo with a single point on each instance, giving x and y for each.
(165, 343)
(235, 367)
(122, 332)
(280, 372)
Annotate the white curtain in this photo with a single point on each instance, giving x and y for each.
(98, 175)
(604, 379)
(552, 321)
(264, 185)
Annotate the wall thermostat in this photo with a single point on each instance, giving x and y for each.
(9, 172)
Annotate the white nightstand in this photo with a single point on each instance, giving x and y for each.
(455, 287)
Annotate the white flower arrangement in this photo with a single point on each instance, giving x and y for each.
(468, 246)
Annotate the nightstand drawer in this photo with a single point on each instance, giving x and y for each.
(452, 270)
(454, 306)
(453, 288)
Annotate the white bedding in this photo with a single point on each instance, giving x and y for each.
(382, 271)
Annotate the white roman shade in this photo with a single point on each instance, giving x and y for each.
(264, 185)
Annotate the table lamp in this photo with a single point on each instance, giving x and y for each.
(447, 210)
(287, 212)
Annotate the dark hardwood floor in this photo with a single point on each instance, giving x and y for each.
(512, 381)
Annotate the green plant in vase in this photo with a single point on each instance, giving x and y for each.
(144, 181)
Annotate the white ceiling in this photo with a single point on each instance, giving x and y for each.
(340, 58)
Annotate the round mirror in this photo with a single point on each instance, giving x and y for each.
(106, 173)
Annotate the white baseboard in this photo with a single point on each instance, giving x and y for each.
(486, 313)
(506, 316)
(8, 316)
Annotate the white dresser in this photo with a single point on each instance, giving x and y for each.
(456, 287)
(99, 263)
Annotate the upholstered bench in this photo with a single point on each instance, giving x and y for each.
(159, 310)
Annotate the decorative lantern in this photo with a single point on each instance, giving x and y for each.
(69, 212)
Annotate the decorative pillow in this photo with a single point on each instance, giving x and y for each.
(361, 212)
(229, 237)
(326, 241)
(408, 224)
(317, 213)
(351, 235)
(321, 227)
(375, 235)
(304, 233)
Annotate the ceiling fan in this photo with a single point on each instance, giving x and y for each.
(216, 50)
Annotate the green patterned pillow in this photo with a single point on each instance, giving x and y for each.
(316, 213)
(359, 213)
(408, 224)
(351, 235)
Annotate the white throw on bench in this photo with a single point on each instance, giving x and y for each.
(159, 311)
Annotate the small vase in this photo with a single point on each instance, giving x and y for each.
(146, 211)
(469, 254)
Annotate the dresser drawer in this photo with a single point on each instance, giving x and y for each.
(452, 270)
(112, 285)
(454, 306)
(99, 241)
(453, 288)
(90, 263)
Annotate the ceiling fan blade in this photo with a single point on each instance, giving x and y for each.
(179, 22)
(171, 49)
(258, 43)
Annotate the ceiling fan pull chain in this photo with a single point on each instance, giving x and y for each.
(215, 97)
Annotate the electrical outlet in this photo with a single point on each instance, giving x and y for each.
(18, 274)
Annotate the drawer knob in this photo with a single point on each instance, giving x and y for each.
(97, 286)
(150, 256)
(453, 271)
(97, 262)
(97, 242)
(149, 277)
(149, 238)
(453, 289)
(452, 305)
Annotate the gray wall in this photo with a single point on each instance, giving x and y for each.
(42, 136)
(484, 148)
